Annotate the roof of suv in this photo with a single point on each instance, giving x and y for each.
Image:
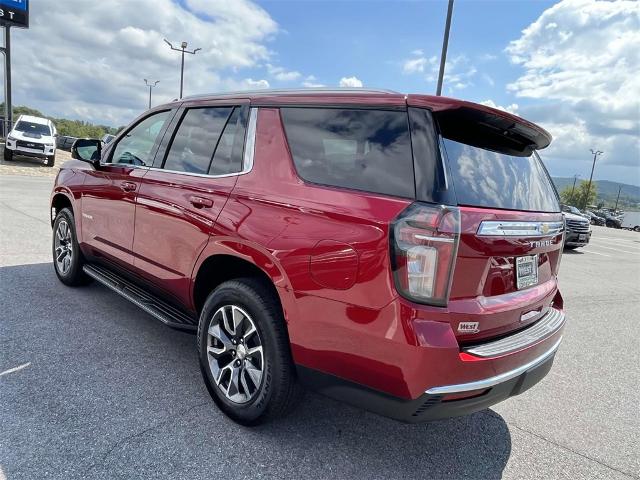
(531, 133)
(32, 119)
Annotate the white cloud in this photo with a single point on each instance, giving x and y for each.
(351, 82)
(513, 108)
(581, 62)
(281, 74)
(311, 82)
(88, 60)
(458, 71)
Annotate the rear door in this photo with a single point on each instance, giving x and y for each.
(109, 193)
(181, 197)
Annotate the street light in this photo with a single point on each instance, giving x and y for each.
(150, 85)
(595, 155)
(575, 177)
(183, 49)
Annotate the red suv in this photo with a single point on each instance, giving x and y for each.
(398, 252)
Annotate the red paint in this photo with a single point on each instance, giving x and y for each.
(325, 249)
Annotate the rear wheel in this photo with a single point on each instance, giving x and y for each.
(51, 160)
(67, 257)
(8, 154)
(244, 353)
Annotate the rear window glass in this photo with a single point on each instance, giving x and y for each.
(484, 178)
(352, 148)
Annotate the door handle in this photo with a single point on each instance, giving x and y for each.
(201, 202)
(128, 186)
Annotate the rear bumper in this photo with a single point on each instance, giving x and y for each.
(437, 402)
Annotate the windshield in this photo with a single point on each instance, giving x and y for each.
(35, 128)
(484, 178)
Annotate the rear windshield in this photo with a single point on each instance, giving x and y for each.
(361, 149)
(35, 128)
(483, 178)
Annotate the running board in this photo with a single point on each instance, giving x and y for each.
(153, 305)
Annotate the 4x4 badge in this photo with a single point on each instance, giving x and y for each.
(468, 327)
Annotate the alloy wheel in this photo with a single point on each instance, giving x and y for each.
(234, 352)
(63, 247)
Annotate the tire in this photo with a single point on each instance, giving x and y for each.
(68, 267)
(8, 154)
(51, 160)
(250, 400)
(570, 247)
(636, 228)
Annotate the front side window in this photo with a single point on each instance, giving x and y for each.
(136, 147)
(195, 141)
(361, 149)
(485, 178)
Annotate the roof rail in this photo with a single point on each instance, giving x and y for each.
(286, 91)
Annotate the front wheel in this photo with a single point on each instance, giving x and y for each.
(244, 352)
(67, 257)
(8, 154)
(570, 247)
(51, 160)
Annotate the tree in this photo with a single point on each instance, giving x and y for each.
(579, 198)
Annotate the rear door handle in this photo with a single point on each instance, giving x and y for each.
(128, 186)
(201, 202)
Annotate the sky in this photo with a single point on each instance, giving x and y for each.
(571, 66)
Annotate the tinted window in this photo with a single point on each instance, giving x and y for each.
(136, 147)
(228, 156)
(34, 128)
(196, 139)
(360, 149)
(484, 178)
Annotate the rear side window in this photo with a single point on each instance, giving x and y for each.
(360, 149)
(484, 178)
(195, 140)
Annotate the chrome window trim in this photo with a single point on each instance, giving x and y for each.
(499, 228)
(247, 158)
(493, 381)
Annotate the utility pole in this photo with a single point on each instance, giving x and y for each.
(150, 85)
(445, 46)
(8, 109)
(595, 156)
(183, 49)
(575, 177)
(619, 190)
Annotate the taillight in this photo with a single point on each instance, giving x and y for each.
(424, 243)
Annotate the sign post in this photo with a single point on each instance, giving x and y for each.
(13, 13)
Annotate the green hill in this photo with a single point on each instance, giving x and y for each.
(608, 191)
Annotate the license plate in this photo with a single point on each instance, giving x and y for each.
(582, 236)
(526, 271)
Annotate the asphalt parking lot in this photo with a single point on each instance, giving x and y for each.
(92, 387)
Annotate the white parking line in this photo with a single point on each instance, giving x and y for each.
(596, 253)
(15, 369)
(618, 250)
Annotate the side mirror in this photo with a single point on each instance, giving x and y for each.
(88, 150)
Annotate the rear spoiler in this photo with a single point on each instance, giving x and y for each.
(483, 126)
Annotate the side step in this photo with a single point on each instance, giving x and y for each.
(153, 305)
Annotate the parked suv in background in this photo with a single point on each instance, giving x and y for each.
(578, 231)
(32, 137)
(398, 252)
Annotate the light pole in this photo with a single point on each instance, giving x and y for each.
(619, 190)
(575, 177)
(150, 85)
(183, 49)
(595, 155)
(445, 45)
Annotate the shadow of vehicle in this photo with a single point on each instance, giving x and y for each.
(112, 392)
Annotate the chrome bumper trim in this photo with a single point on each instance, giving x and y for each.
(493, 381)
(549, 324)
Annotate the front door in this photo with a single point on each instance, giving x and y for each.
(109, 192)
(181, 197)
